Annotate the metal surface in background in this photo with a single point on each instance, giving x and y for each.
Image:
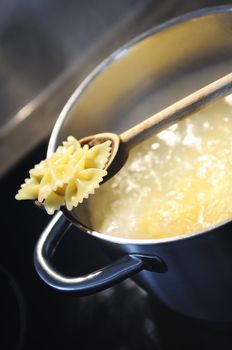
(48, 47)
(40, 39)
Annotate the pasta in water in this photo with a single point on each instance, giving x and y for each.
(71, 174)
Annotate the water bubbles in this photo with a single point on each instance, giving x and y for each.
(190, 139)
(169, 137)
(206, 125)
(228, 99)
(155, 146)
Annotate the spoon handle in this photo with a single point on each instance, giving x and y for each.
(175, 112)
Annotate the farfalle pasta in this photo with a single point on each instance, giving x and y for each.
(68, 176)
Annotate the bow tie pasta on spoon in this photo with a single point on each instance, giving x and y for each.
(73, 172)
(68, 176)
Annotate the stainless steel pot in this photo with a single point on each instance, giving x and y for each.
(190, 274)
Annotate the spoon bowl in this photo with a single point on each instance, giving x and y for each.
(118, 155)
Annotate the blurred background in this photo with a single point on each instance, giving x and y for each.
(47, 47)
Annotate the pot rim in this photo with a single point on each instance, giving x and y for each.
(117, 55)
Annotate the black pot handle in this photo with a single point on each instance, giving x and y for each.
(90, 283)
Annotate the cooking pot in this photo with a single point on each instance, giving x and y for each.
(191, 274)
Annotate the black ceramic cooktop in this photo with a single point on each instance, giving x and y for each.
(123, 317)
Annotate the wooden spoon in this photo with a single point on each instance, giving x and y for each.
(121, 144)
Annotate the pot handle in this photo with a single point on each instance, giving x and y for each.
(90, 283)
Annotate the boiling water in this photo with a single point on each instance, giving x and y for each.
(176, 182)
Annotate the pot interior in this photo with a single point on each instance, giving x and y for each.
(150, 73)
